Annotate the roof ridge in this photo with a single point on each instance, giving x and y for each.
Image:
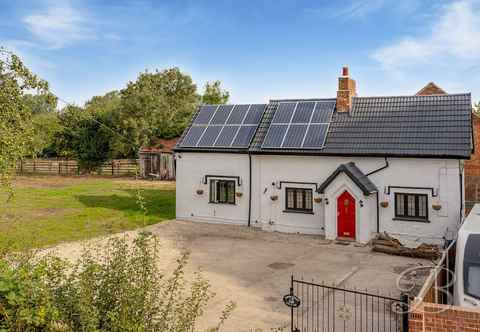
(415, 96)
(301, 99)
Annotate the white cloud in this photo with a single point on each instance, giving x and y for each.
(59, 24)
(454, 33)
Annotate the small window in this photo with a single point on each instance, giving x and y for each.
(411, 206)
(222, 191)
(299, 199)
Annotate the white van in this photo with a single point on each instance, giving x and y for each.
(467, 262)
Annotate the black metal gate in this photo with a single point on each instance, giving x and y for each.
(324, 308)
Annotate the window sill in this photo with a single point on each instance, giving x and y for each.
(217, 203)
(412, 219)
(298, 211)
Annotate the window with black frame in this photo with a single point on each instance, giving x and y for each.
(411, 207)
(299, 200)
(222, 191)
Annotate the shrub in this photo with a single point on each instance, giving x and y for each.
(118, 287)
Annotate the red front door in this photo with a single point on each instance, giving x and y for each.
(346, 215)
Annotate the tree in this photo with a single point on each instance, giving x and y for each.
(156, 105)
(86, 137)
(45, 122)
(476, 108)
(16, 127)
(214, 94)
(40, 103)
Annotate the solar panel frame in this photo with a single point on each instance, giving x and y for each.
(236, 117)
(295, 135)
(303, 112)
(244, 138)
(222, 114)
(205, 114)
(230, 132)
(275, 133)
(284, 113)
(325, 109)
(287, 142)
(238, 122)
(209, 136)
(254, 114)
(322, 137)
(195, 131)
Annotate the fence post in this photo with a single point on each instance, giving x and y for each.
(405, 311)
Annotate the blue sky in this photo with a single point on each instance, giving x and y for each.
(258, 49)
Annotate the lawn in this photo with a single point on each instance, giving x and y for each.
(46, 210)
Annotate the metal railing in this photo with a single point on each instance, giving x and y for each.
(320, 307)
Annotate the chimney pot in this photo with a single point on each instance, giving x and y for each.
(345, 71)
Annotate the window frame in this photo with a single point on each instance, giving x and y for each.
(216, 193)
(296, 209)
(405, 216)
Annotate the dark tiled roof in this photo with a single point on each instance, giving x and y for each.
(403, 126)
(436, 126)
(354, 173)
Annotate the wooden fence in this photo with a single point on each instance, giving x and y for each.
(118, 167)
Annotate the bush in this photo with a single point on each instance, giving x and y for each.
(116, 288)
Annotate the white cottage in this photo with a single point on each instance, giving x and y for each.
(347, 167)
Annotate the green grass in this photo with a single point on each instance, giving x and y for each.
(49, 210)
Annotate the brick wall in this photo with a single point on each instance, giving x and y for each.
(427, 317)
(472, 166)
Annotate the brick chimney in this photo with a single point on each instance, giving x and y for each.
(346, 90)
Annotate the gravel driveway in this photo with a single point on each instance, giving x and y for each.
(253, 267)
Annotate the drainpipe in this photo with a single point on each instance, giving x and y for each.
(249, 188)
(378, 199)
(381, 168)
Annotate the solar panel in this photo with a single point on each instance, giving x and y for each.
(274, 136)
(300, 125)
(205, 114)
(303, 112)
(221, 115)
(224, 126)
(209, 136)
(244, 136)
(254, 114)
(294, 136)
(323, 112)
(284, 113)
(316, 135)
(226, 136)
(238, 114)
(193, 135)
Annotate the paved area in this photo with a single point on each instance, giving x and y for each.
(253, 268)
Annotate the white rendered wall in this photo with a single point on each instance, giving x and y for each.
(442, 175)
(269, 170)
(191, 168)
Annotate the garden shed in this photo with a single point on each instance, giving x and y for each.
(157, 162)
